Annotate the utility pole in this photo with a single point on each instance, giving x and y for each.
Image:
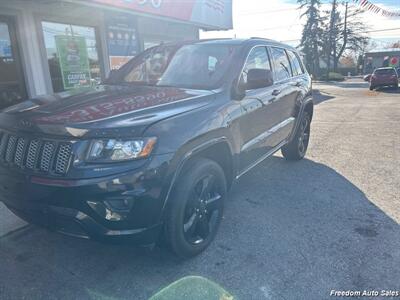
(331, 37)
(335, 60)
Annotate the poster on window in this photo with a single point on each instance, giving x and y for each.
(74, 61)
(122, 39)
(5, 48)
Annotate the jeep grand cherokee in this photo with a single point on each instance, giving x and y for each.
(153, 151)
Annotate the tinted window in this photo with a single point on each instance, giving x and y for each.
(258, 59)
(385, 72)
(281, 63)
(295, 63)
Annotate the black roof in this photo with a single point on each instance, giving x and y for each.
(229, 41)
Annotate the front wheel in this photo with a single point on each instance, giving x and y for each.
(297, 148)
(196, 208)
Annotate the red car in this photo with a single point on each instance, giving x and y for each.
(384, 77)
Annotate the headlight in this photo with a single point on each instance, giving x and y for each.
(114, 150)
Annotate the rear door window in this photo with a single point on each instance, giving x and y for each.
(281, 63)
(295, 63)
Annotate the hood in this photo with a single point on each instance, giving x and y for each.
(103, 110)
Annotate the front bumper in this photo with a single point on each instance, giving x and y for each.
(123, 206)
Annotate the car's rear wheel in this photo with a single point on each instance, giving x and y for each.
(196, 208)
(297, 148)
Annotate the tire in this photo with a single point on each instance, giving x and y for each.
(196, 208)
(297, 148)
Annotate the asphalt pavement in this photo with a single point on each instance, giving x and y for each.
(291, 230)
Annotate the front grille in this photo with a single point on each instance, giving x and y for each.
(37, 155)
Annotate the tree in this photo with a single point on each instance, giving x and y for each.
(311, 37)
(344, 33)
(394, 45)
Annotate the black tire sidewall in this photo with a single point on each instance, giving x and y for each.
(291, 150)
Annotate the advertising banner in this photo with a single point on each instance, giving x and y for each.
(122, 38)
(74, 61)
(210, 14)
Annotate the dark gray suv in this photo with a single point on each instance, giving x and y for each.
(152, 151)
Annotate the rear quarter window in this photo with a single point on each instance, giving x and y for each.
(295, 63)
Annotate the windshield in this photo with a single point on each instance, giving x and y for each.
(199, 66)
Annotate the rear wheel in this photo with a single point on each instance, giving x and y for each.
(297, 148)
(196, 208)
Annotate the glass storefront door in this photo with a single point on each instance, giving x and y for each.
(72, 55)
(12, 85)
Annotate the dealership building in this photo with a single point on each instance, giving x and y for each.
(381, 58)
(51, 46)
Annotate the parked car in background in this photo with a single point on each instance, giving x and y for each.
(153, 151)
(384, 77)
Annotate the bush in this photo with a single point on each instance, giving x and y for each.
(333, 77)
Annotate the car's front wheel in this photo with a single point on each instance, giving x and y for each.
(297, 148)
(196, 207)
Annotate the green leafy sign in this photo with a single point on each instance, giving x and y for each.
(74, 61)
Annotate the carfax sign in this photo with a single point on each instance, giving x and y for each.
(74, 61)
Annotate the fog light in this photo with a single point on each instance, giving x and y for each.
(113, 209)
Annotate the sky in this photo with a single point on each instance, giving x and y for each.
(280, 20)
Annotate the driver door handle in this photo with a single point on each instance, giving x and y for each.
(276, 92)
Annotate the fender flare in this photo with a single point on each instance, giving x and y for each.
(186, 157)
(308, 99)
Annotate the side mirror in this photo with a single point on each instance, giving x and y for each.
(367, 77)
(238, 90)
(259, 78)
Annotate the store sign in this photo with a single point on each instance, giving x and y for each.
(122, 39)
(74, 61)
(394, 62)
(215, 14)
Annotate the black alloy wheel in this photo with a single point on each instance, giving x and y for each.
(304, 136)
(202, 210)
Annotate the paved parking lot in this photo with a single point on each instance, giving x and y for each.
(291, 230)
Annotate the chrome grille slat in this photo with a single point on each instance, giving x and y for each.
(47, 155)
(19, 152)
(36, 155)
(3, 144)
(63, 158)
(12, 141)
(33, 151)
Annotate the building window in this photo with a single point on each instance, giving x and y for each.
(72, 55)
(12, 88)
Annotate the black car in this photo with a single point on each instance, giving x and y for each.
(152, 151)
